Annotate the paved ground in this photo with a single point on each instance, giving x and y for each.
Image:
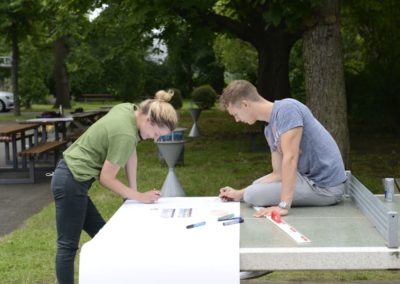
(20, 201)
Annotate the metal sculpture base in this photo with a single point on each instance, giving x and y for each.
(172, 187)
(171, 150)
(195, 113)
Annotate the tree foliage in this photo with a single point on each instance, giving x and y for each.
(373, 62)
(255, 40)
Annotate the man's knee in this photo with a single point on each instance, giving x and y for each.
(250, 197)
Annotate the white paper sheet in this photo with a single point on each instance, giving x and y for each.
(140, 244)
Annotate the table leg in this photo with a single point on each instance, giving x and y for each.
(44, 133)
(7, 152)
(14, 150)
(36, 136)
(23, 147)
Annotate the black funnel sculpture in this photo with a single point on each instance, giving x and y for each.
(171, 151)
(195, 113)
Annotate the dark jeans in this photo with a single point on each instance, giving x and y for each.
(74, 212)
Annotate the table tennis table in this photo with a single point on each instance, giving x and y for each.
(362, 232)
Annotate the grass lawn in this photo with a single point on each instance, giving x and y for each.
(221, 156)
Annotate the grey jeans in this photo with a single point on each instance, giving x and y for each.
(75, 212)
(306, 193)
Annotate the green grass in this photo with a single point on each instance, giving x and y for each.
(221, 156)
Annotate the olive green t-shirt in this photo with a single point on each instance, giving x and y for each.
(113, 137)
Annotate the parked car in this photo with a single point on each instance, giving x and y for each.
(6, 101)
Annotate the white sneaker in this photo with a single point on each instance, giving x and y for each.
(252, 274)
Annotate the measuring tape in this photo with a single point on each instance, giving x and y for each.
(298, 237)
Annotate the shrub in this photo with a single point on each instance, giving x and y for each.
(204, 97)
(176, 100)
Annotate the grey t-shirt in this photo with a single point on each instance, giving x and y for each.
(320, 159)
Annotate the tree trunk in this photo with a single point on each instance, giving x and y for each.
(324, 75)
(273, 69)
(61, 74)
(14, 70)
(273, 45)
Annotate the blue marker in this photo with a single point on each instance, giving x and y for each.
(195, 225)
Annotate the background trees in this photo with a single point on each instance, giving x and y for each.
(373, 63)
(17, 23)
(286, 48)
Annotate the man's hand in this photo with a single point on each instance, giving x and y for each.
(228, 193)
(263, 212)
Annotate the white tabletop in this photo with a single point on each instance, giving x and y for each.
(145, 243)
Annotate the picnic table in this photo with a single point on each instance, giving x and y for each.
(11, 132)
(59, 123)
(82, 120)
(30, 153)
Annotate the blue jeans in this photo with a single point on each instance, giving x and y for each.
(74, 212)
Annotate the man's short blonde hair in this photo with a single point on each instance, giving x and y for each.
(237, 91)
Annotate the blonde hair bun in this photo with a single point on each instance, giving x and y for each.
(164, 96)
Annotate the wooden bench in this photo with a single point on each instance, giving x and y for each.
(96, 97)
(39, 149)
(7, 140)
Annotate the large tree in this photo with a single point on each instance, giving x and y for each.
(17, 21)
(272, 27)
(324, 74)
(66, 20)
(191, 57)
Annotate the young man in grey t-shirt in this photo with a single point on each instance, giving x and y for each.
(307, 167)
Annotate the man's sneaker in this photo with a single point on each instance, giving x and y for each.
(252, 274)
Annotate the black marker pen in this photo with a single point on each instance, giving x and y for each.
(233, 221)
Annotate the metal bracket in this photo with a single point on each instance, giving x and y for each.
(385, 220)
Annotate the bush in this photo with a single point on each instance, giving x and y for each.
(176, 100)
(204, 97)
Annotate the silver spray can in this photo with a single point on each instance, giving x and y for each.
(389, 189)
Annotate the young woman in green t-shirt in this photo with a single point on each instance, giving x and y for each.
(104, 148)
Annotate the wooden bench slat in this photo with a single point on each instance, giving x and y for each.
(18, 137)
(42, 148)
